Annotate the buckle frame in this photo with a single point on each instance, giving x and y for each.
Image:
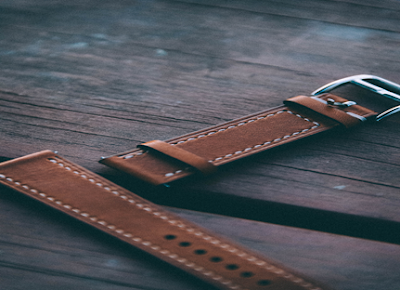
(388, 89)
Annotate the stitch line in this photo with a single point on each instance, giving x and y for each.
(267, 143)
(113, 228)
(239, 152)
(200, 269)
(202, 135)
(246, 150)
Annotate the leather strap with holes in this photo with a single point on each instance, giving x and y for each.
(161, 162)
(67, 187)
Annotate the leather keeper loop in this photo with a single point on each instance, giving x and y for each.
(324, 109)
(180, 154)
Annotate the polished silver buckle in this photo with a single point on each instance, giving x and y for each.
(376, 84)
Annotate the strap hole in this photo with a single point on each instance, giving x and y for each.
(247, 274)
(232, 267)
(264, 282)
(200, 252)
(185, 244)
(215, 259)
(170, 237)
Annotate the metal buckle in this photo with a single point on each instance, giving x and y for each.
(376, 84)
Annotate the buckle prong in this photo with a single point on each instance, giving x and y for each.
(372, 83)
(332, 102)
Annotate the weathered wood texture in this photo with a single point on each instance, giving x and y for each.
(93, 78)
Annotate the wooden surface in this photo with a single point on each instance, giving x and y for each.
(93, 78)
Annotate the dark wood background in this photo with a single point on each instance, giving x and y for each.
(94, 78)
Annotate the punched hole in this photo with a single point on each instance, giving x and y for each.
(232, 267)
(215, 259)
(200, 252)
(185, 244)
(247, 274)
(264, 282)
(170, 237)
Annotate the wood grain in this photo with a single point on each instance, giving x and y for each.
(90, 79)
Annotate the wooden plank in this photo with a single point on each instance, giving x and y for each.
(89, 79)
(369, 14)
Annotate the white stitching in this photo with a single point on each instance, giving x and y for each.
(140, 152)
(127, 235)
(244, 123)
(211, 240)
(237, 153)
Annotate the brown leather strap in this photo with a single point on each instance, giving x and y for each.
(65, 186)
(298, 118)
